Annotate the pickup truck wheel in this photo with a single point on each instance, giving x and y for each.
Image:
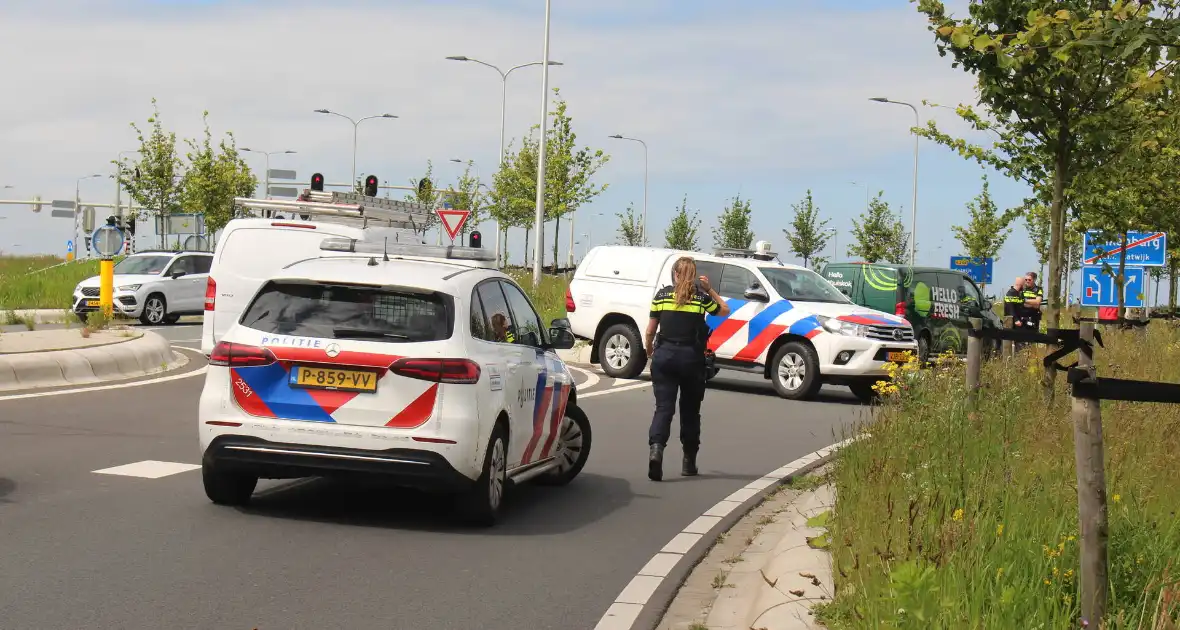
(795, 371)
(620, 352)
(863, 390)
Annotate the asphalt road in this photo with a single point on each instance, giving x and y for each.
(82, 549)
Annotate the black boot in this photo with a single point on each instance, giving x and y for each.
(689, 467)
(655, 463)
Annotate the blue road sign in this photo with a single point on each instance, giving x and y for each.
(69, 246)
(1099, 289)
(1144, 249)
(978, 269)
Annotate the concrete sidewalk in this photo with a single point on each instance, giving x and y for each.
(53, 358)
(763, 573)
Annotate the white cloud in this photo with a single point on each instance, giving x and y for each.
(713, 97)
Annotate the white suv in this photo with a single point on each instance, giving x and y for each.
(786, 322)
(157, 287)
(419, 366)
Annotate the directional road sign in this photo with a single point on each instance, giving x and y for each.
(978, 269)
(61, 214)
(1144, 249)
(279, 173)
(69, 247)
(63, 204)
(283, 191)
(1099, 289)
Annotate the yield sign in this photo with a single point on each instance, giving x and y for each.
(452, 220)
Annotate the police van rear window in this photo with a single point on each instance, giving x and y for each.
(341, 311)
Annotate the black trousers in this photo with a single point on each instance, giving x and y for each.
(677, 369)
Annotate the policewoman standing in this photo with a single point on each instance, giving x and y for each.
(678, 361)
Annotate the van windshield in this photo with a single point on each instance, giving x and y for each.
(802, 285)
(332, 311)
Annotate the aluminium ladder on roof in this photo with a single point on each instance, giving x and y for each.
(347, 208)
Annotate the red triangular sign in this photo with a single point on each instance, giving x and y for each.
(452, 220)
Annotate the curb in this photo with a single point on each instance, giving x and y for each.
(149, 354)
(43, 315)
(646, 598)
(579, 354)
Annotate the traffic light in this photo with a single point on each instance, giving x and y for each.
(129, 224)
(424, 188)
(37, 203)
(475, 239)
(317, 182)
(371, 186)
(113, 221)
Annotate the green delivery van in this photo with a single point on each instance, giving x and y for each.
(936, 302)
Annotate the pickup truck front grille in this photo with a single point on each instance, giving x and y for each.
(889, 333)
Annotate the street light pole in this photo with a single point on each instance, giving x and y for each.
(914, 208)
(539, 219)
(119, 185)
(355, 125)
(78, 208)
(643, 235)
(267, 156)
(503, 114)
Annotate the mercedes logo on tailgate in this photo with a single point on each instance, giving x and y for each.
(334, 349)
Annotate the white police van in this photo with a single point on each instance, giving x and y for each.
(786, 322)
(424, 365)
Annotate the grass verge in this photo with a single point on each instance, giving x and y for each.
(35, 282)
(548, 298)
(950, 519)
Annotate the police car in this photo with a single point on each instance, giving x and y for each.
(424, 365)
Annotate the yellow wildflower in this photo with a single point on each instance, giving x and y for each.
(1056, 572)
(1048, 581)
(1116, 498)
(957, 514)
(999, 572)
(1000, 529)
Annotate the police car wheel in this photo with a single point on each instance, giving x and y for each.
(711, 373)
(573, 448)
(480, 504)
(225, 487)
(863, 390)
(620, 352)
(795, 371)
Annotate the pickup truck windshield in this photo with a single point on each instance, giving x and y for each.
(802, 285)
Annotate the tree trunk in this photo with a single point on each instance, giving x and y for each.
(556, 242)
(1057, 230)
(1120, 281)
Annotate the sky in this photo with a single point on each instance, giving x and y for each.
(766, 99)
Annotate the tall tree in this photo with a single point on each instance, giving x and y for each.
(1053, 81)
(879, 235)
(987, 230)
(214, 177)
(808, 235)
(630, 230)
(682, 231)
(153, 180)
(569, 174)
(733, 226)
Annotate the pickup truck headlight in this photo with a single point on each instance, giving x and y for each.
(130, 287)
(833, 325)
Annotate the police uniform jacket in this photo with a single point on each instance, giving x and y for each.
(682, 324)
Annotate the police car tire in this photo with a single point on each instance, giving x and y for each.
(811, 378)
(475, 506)
(863, 390)
(558, 477)
(225, 487)
(711, 373)
(638, 357)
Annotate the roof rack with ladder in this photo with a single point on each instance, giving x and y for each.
(469, 256)
(341, 207)
(761, 251)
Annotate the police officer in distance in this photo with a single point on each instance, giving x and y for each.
(678, 361)
(1033, 297)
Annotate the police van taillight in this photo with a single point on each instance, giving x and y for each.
(899, 309)
(210, 293)
(569, 301)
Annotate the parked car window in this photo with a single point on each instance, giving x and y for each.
(523, 315)
(142, 265)
(498, 317)
(734, 281)
(182, 263)
(201, 264)
(333, 311)
(710, 270)
(802, 285)
(479, 322)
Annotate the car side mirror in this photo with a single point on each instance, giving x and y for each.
(756, 293)
(561, 334)
(530, 339)
(176, 274)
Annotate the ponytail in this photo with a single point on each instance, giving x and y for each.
(685, 273)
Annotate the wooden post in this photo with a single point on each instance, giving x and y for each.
(1007, 348)
(1091, 479)
(974, 357)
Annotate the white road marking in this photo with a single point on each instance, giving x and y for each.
(604, 392)
(97, 388)
(629, 604)
(148, 469)
(591, 378)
